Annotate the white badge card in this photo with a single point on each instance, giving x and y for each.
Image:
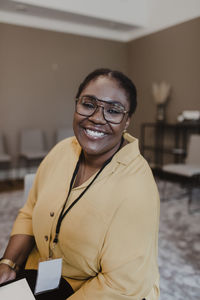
(49, 274)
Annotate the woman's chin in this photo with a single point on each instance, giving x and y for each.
(92, 148)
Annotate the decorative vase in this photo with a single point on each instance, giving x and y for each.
(161, 94)
(161, 113)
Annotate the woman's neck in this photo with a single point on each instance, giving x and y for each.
(97, 161)
(90, 164)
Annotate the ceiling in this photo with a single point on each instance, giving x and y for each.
(120, 20)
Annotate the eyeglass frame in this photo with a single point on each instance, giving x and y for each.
(100, 100)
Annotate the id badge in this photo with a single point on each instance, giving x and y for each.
(48, 276)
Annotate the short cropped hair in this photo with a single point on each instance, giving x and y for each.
(122, 80)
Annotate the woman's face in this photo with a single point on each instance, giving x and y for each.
(95, 135)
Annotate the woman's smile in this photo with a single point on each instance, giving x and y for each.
(94, 133)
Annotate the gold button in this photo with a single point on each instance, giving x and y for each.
(51, 213)
(46, 237)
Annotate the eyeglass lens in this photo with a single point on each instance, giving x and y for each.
(87, 105)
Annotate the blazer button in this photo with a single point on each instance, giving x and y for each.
(46, 238)
(51, 213)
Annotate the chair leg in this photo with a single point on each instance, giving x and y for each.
(190, 192)
(163, 190)
(190, 197)
(163, 187)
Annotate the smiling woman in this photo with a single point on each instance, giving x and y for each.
(94, 203)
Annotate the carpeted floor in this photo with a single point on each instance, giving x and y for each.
(179, 241)
(179, 246)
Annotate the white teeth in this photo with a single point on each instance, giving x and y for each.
(95, 133)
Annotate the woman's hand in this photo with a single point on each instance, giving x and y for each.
(6, 273)
(18, 249)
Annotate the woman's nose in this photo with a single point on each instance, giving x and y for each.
(98, 115)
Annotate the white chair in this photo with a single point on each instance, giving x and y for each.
(191, 168)
(4, 156)
(28, 182)
(63, 133)
(32, 145)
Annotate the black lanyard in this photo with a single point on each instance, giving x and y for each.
(63, 214)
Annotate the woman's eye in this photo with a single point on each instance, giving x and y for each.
(113, 111)
(88, 105)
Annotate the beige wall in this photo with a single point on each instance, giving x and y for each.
(40, 71)
(39, 74)
(172, 55)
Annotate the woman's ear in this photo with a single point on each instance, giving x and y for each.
(127, 123)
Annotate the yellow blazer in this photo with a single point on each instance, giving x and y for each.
(108, 240)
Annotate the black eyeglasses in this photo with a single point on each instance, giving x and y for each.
(113, 112)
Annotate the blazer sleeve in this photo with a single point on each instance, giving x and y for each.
(128, 258)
